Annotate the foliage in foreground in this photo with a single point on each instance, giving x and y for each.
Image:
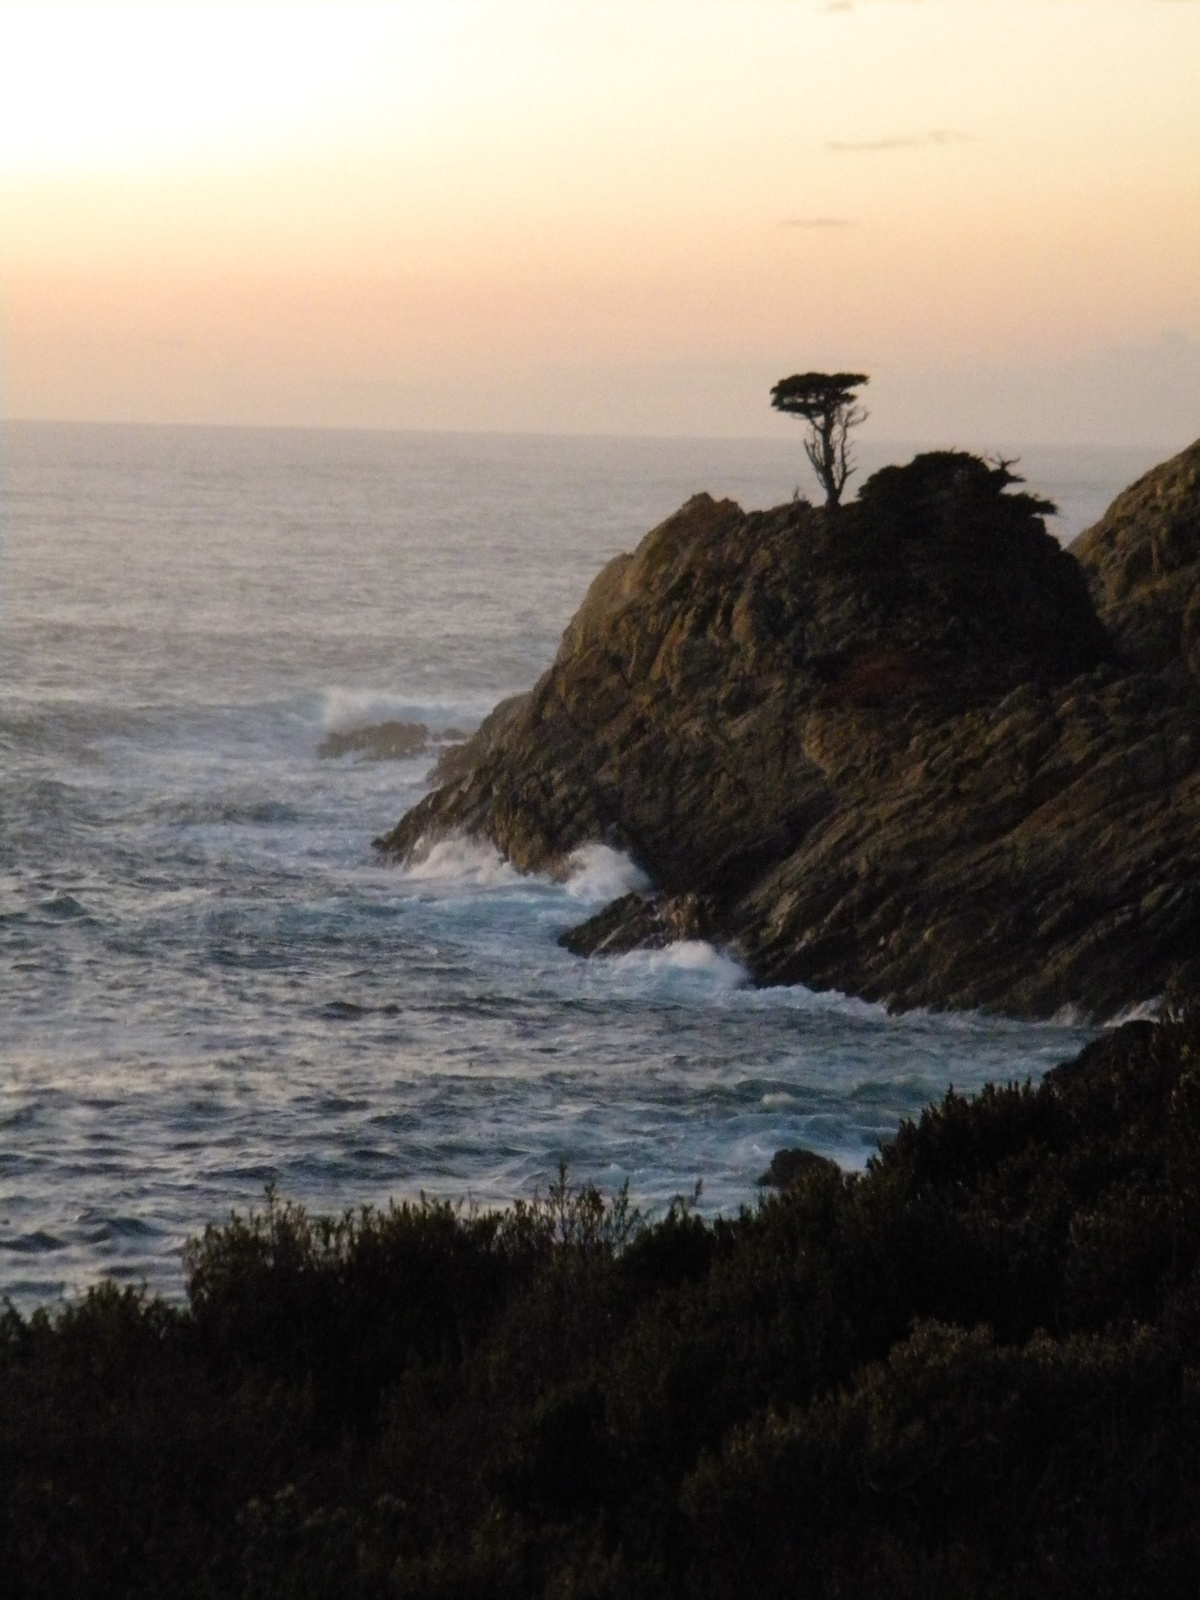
(973, 1370)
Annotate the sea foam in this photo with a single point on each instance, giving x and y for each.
(597, 873)
(457, 862)
(692, 962)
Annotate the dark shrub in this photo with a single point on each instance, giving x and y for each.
(974, 1370)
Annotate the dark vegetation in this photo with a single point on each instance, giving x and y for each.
(951, 567)
(972, 1371)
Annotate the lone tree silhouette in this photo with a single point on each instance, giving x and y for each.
(827, 402)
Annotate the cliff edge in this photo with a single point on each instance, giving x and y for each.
(913, 750)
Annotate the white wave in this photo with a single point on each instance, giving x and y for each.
(920, 1019)
(459, 862)
(341, 709)
(1069, 1016)
(689, 959)
(1144, 1011)
(797, 997)
(599, 873)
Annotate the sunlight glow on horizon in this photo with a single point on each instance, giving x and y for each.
(590, 217)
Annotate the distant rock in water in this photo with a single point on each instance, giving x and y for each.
(383, 741)
(395, 741)
(893, 750)
(788, 1167)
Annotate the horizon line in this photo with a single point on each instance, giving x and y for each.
(924, 440)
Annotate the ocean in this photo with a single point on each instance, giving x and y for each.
(208, 981)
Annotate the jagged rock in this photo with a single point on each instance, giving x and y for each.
(460, 758)
(1142, 560)
(642, 922)
(893, 748)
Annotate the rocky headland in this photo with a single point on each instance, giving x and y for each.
(912, 749)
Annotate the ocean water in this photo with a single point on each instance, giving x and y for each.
(209, 982)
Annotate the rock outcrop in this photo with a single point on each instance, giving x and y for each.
(393, 741)
(381, 741)
(643, 922)
(1142, 560)
(893, 750)
(791, 1167)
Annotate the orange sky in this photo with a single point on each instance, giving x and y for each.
(607, 217)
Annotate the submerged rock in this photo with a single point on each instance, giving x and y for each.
(395, 741)
(892, 750)
(383, 741)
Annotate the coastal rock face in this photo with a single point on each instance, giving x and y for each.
(893, 750)
(643, 922)
(1142, 560)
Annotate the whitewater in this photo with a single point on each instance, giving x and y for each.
(210, 983)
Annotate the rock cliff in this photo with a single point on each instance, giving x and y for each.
(912, 750)
(1142, 560)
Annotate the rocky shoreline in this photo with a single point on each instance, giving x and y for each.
(912, 750)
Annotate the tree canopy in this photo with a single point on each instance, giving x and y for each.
(827, 402)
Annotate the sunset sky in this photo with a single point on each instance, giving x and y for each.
(625, 218)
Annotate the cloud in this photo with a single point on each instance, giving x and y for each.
(817, 222)
(911, 141)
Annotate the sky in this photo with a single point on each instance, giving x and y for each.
(613, 217)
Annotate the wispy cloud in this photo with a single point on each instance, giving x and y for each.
(817, 222)
(908, 141)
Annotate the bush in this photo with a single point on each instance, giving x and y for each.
(972, 1370)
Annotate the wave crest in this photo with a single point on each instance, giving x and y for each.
(459, 862)
(690, 960)
(597, 872)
